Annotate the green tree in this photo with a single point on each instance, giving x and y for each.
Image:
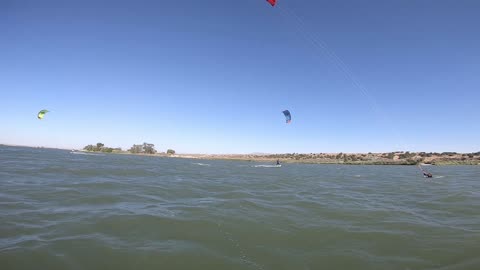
(411, 161)
(89, 148)
(149, 148)
(136, 149)
(171, 152)
(99, 146)
(406, 155)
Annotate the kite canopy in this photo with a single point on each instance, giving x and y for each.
(288, 116)
(41, 114)
(272, 2)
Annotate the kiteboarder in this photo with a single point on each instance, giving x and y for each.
(278, 162)
(425, 173)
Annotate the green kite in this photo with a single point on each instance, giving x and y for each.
(41, 114)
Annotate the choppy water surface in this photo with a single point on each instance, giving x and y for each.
(67, 211)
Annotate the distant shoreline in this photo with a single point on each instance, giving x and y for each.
(399, 158)
(391, 158)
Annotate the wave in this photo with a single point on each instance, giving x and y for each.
(267, 166)
(201, 164)
(86, 154)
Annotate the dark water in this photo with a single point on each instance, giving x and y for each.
(70, 211)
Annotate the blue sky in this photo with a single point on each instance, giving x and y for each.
(213, 76)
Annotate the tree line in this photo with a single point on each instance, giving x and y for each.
(100, 147)
(145, 148)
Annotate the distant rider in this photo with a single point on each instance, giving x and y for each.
(425, 173)
(278, 162)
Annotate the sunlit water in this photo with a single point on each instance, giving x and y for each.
(60, 210)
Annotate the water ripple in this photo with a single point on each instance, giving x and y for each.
(64, 211)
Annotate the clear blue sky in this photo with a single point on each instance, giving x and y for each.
(213, 76)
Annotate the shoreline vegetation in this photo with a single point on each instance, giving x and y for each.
(136, 149)
(390, 158)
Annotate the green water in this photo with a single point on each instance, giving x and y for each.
(60, 210)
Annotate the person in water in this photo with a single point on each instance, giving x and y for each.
(278, 162)
(427, 174)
